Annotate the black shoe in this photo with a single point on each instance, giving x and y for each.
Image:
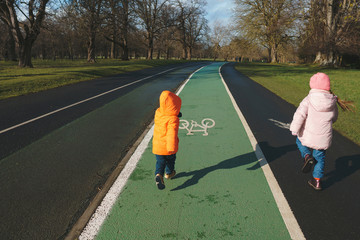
(159, 182)
(316, 184)
(308, 164)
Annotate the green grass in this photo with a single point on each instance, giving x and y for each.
(46, 74)
(291, 82)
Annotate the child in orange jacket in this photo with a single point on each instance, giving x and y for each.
(165, 139)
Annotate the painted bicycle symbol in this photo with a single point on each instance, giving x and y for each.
(195, 127)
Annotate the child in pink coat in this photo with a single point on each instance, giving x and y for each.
(312, 124)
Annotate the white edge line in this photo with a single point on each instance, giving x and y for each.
(96, 221)
(77, 103)
(284, 208)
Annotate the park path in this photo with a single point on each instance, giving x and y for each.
(220, 190)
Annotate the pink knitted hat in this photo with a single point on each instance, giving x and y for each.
(320, 81)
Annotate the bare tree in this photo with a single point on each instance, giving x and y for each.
(150, 11)
(243, 49)
(73, 35)
(337, 23)
(166, 39)
(88, 14)
(191, 24)
(7, 43)
(269, 22)
(196, 29)
(118, 25)
(75, 29)
(183, 15)
(220, 36)
(24, 31)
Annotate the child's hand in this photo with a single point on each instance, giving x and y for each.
(294, 133)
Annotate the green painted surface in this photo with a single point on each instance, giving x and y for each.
(220, 191)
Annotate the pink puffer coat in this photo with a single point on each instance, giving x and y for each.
(313, 119)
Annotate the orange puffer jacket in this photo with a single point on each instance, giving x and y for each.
(165, 139)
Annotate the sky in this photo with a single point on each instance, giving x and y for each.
(220, 10)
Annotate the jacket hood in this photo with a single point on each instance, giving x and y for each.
(170, 104)
(322, 100)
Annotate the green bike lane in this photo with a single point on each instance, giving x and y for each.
(220, 190)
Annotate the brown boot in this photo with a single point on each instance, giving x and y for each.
(315, 183)
(159, 180)
(171, 175)
(309, 162)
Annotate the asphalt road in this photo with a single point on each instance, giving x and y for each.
(51, 168)
(333, 213)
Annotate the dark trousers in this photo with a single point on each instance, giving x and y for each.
(165, 163)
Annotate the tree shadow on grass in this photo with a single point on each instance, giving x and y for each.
(344, 167)
(226, 164)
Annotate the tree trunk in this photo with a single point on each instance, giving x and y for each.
(184, 52)
(25, 53)
(113, 48)
(114, 32)
(125, 28)
(189, 53)
(269, 55)
(71, 50)
(274, 54)
(325, 59)
(150, 53)
(327, 56)
(11, 53)
(125, 55)
(150, 47)
(167, 53)
(30, 31)
(91, 49)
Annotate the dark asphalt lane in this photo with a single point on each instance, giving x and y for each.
(14, 111)
(50, 169)
(333, 213)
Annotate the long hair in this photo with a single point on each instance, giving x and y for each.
(345, 105)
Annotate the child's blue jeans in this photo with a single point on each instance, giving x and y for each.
(165, 163)
(319, 156)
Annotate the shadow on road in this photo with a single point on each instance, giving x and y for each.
(226, 164)
(271, 153)
(344, 167)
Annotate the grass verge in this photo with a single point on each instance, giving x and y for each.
(47, 74)
(291, 82)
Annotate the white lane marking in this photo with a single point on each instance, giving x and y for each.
(96, 221)
(284, 208)
(77, 103)
(280, 124)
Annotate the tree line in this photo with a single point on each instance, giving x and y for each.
(107, 28)
(326, 32)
